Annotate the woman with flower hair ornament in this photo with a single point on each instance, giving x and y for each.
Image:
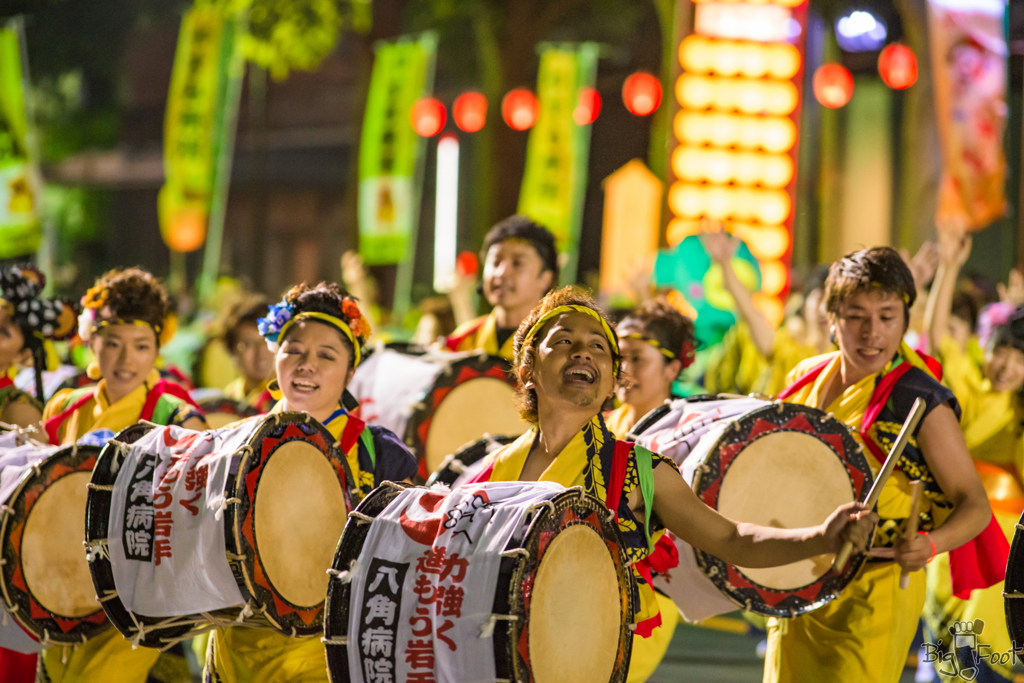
(126, 317)
(27, 322)
(317, 334)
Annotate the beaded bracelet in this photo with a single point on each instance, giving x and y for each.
(934, 547)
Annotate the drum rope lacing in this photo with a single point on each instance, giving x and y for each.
(207, 621)
(97, 549)
(1014, 594)
(360, 517)
(100, 487)
(487, 630)
(344, 576)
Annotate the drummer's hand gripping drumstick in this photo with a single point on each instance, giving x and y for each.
(910, 529)
(908, 428)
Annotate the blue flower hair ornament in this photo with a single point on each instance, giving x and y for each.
(271, 326)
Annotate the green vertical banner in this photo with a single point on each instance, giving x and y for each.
(555, 179)
(390, 152)
(201, 102)
(20, 229)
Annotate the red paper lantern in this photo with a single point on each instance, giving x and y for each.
(897, 65)
(519, 108)
(470, 111)
(641, 93)
(588, 106)
(833, 85)
(427, 117)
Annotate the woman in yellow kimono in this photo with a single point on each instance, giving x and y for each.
(248, 349)
(990, 397)
(657, 344)
(753, 357)
(871, 384)
(26, 322)
(520, 266)
(126, 317)
(316, 334)
(567, 364)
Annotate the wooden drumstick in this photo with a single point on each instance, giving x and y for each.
(910, 529)
(916, 412)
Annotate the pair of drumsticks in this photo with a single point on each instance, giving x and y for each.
(910, 529)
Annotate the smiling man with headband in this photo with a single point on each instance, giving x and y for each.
(567, 362)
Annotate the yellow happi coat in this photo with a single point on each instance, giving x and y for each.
(248, 655)
(991, 424)
(258, 398)
(582, 463)
(109, 657)
(647, 652)
(481, 334)
(865, 634)
(737, 367)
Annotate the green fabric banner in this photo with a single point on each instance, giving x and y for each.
(555, 179)
(390, 152)
(20, 229)
(198, 103)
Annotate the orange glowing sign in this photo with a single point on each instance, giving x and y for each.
(739, 97)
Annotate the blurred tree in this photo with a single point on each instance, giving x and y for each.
(297, 34)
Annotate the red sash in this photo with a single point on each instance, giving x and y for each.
(163, 386)
(977, 564)
(453, 341)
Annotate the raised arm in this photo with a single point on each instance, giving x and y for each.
(721, 247)
(954, 248)
(751, 545)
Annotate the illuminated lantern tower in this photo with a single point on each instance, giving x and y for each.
(737, 129)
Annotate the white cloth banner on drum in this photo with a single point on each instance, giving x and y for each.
(686, 434)
(16, 461)
(676, 434)
(389, 384)
(423, 585)
(166, 530)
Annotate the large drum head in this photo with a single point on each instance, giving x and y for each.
(300, 513)
(785, 466)
(475, 396)
(52, 560)
(293, 490)
(575, 610)
(483, 406)
(46, 573)
(786, 480)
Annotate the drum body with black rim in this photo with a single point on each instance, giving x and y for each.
(1013, 587)
(221, 411)
(45, 577)
(189, 531)
(517, 581)
(438, 402)
(463, 464)
(774, 464)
